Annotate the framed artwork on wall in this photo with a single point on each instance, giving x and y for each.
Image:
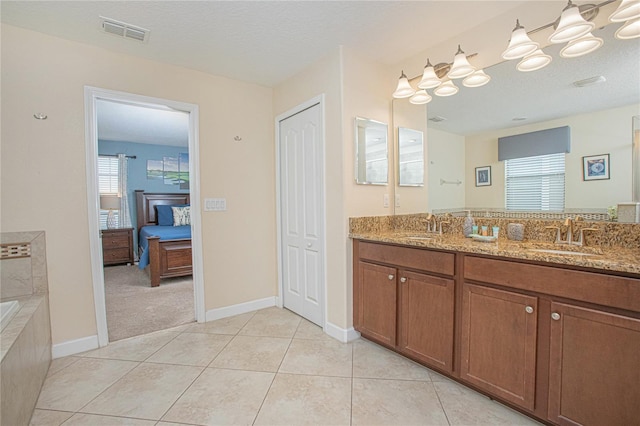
(483, 176)
(595, 167)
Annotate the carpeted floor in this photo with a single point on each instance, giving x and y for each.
(135, 308)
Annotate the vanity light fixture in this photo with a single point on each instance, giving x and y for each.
(629, 30)
(627, 10)
(429, 77)
(581, 46)
(420, 97)
(461, 66)
(404, 89)
(572, 25)
(533, 62)
(447, 88)
(520, 45)
(477, 79)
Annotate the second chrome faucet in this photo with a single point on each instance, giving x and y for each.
(570, 225)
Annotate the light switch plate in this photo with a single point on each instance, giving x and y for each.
(385, 201)
(215, 204)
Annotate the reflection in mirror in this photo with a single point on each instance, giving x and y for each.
(372, 156)
(410, 157)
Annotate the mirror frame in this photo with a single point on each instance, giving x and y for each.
(361, 122)
(400, 139)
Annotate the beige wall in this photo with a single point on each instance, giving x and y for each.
(446, 160)
(603, 132)
(43, 172)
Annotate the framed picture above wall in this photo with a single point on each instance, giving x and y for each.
(483, 176)
(595, 167)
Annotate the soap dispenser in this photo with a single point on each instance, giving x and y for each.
(467, 228)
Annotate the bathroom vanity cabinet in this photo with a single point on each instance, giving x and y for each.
(559, 343)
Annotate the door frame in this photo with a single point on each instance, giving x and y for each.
(91, 95)
(317, 100)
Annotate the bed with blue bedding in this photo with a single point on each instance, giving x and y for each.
(164, 243)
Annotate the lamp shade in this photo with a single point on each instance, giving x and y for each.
(477, 79)
(581, 46)
(429, 77)
(461, 66)
(447, 88)
(109, 202)
(628, 9)
(533, 62)
(404, 89)
(572, 25)
(420, 97)
(629, 30)
(520, 45)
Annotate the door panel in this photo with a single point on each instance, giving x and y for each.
(302, 208)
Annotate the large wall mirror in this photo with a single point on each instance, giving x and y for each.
(372, 152)
(410, 157)
(516, 102)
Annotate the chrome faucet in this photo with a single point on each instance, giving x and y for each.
(442, 222)
(570, 224)
(432, 223)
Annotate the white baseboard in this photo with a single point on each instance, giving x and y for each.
(73, 347)
(241, 308)
(342, 334)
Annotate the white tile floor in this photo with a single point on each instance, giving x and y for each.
(270, 367)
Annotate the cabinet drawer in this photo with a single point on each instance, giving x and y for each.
(120, 255)
(607, 290)
(406, 257)
(114, 240)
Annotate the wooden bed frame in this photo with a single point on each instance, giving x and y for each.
(170, 258)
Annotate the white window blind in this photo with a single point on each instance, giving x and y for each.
(108, 183)
(535, 183)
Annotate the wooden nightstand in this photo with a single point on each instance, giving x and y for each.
(117, 246)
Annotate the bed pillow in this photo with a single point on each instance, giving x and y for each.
(164, 214)
(181, 215)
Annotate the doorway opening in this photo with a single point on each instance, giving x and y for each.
(142, 167)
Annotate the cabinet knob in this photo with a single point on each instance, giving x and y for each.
(403, 280)
(390, 277)
(529, 309)
(309, 245)
(555, 316)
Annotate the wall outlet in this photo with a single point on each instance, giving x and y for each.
(215, 204)
(397, 200)
(385, 201)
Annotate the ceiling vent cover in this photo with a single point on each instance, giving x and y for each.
(122, 29)
(437, 119)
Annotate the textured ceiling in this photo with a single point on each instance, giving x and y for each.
(263, 42)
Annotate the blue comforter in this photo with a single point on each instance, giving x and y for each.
(165, 233)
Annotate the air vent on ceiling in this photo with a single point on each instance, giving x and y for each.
(122, 29)
(437, 119)
(590, 81)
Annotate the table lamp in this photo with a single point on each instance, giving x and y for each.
(110, 202)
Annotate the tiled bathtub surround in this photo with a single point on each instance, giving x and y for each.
(26, 340)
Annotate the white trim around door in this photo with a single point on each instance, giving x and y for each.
(318, 100)
(91, 95)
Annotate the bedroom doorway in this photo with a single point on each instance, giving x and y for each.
(126, 304)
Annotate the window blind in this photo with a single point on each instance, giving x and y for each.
(108, 183)
(535, 183)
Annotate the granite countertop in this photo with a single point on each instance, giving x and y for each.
(616, 259)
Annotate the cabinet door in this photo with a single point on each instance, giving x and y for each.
(378, 303)
(498, 344)
(594, 367)
(426, 319)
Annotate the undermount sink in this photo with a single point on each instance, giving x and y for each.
(563, 252)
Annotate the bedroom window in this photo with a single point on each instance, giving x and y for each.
(108, 183)
(535, 183)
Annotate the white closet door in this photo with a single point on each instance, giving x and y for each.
(302, 210)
